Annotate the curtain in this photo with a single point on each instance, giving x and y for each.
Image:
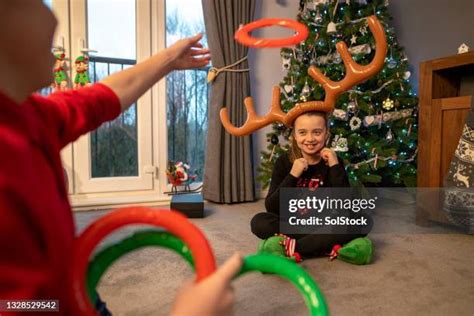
(228, 170)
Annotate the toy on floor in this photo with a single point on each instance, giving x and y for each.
(186, 240)
(289, 270)
(357, 251)
(280, 245)
(106, 257)
(263, 262)
(266, 263)
(174, 222)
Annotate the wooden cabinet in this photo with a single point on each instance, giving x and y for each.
(442, 113)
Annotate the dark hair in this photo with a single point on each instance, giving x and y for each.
(295, 152)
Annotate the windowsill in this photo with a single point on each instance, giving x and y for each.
(98, 201)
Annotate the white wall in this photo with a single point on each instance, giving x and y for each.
(265, 64)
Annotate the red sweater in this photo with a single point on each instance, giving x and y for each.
(36, 224)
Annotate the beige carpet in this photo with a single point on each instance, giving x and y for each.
(414, 272)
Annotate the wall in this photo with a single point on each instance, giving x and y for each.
(265, 64)
(427, 29)
(430, 29)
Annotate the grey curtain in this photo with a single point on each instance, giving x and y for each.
(228, 171)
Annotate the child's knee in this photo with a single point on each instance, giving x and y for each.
(263, 225)
(255, 226)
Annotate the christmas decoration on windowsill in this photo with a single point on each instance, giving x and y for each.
(178, 175)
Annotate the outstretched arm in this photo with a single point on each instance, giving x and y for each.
(131, 83)
(76, 112)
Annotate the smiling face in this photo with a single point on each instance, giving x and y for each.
(310, 133)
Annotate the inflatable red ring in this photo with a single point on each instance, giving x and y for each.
(243, 37)
(174, 222)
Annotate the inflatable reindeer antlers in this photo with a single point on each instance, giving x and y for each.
(355, 74)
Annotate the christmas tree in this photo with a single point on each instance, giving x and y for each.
(374, 125)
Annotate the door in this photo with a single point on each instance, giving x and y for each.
(118, 155)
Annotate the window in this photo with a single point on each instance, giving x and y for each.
(114, 146)
(186, 91)
(117, 163)
(124, 161)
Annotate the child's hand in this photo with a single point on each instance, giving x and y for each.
(299, 166)
(184, 53)
(329, 156)
(212, 296)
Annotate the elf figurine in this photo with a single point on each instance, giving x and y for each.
(60, 77)
(280, 245)
(82, 74)
(358, 251)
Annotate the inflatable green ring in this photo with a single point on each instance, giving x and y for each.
(291, 271)
(104, 259)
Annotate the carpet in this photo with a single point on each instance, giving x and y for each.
(416, 271)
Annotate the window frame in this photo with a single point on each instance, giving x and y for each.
(150, 14)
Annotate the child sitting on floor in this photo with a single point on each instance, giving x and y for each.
(309, 164)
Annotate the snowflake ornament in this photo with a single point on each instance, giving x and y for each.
(388, 104)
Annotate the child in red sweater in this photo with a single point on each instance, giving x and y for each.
(36, 224)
